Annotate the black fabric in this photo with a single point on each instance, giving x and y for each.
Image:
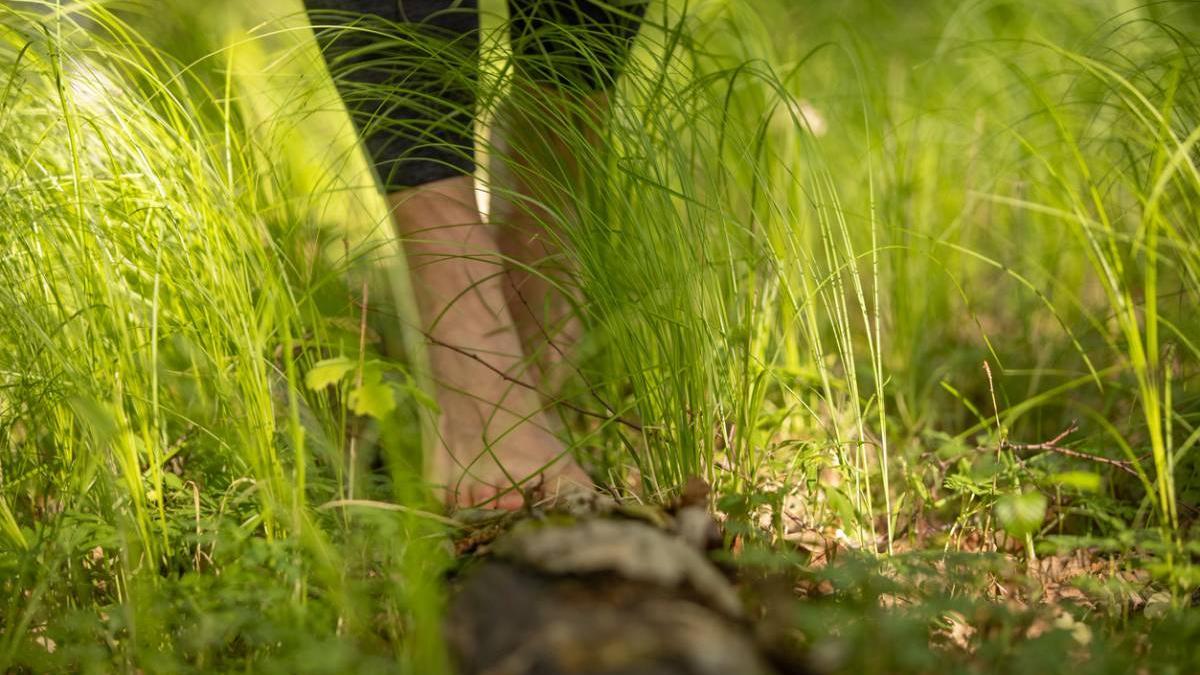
(428, 49)
(578, 44)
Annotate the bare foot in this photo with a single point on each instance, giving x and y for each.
(546, 325)
(492, 455)
(495, 443)
(532, 163)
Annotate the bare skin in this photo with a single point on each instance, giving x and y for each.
(531, 165)
(491, 302)
(494, 435)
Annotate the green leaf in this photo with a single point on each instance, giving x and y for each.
(947, 446)
(1085, 481)
(420, 395)
(733, 504)
(1021, 514)
(843, 507)
(328, 371)
(375, 400)
(985, 467)
(94, 417)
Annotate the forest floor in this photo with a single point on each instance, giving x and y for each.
(911, 286)
(597, 583)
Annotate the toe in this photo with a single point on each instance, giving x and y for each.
(483, 496)
(510, 501)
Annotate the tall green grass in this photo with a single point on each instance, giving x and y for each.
(793, 251)
(164, 467)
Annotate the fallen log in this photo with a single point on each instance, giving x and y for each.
(603, 590)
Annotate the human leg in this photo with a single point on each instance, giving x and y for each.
(568, 55)
(410, 93)
(494, 433)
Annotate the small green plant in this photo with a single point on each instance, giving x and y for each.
(912, 290)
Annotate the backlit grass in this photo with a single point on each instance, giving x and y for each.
(853, 264)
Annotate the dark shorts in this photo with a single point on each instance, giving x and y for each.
(407, 69)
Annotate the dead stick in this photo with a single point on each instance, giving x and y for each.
(1052, 445)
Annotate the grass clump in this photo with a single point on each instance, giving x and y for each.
(913, 290)
(164, 466)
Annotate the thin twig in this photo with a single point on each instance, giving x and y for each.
(558, 350)
(1052, 445)
(358, 383)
